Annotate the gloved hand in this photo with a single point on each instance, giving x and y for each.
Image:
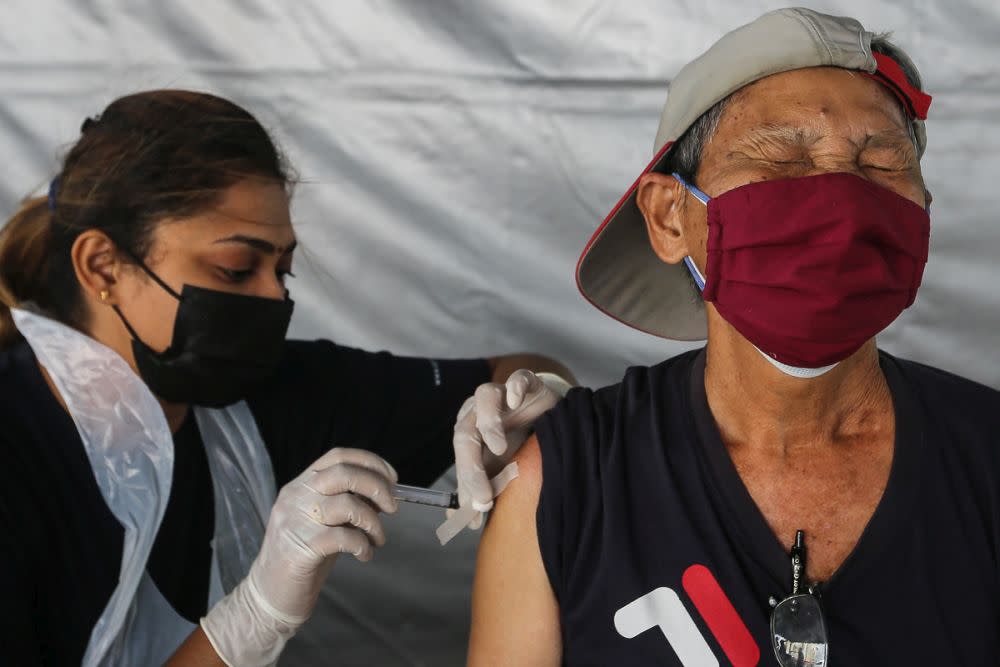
(329, 509)
(499, 416)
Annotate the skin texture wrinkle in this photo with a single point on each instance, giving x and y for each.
(771, 424)
(833, 434)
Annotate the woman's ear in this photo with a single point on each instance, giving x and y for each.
(662, 200)
(96, 263)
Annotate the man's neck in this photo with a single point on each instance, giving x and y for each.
(757, 406)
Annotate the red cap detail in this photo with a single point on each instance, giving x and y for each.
(891, 75)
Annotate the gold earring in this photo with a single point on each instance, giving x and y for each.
(105, 295)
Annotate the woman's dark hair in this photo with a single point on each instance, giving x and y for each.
(148, 157)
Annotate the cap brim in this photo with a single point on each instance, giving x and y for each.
(620, 274)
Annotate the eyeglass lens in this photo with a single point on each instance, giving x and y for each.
(798, 632)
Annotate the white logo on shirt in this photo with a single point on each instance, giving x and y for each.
(662, 608)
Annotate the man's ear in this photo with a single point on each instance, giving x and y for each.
(96, 263)
(662, 200)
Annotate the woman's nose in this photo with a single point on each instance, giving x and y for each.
(272, 288)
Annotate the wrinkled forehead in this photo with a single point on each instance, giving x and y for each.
(823, 100)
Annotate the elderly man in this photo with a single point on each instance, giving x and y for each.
(789, 490)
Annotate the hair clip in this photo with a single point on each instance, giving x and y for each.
(89, 122)
(53, 193)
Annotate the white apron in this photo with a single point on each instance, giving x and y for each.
(131, 452)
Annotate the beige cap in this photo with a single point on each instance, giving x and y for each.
(618, 271)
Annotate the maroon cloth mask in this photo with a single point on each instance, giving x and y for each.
(809, 269)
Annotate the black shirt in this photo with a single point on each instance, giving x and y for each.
(60, 545)
(639, 494)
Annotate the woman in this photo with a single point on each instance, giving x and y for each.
(151, 405)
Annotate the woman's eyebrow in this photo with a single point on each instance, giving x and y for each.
(259, 244)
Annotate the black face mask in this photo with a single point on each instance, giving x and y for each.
(223, 346)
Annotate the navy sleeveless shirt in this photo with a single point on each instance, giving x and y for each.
(658, 555)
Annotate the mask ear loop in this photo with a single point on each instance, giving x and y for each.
(794, 371)
(149, 272)
(698, 194)
(695, 273)
(128, 326)
(699, 279)
(156, 279)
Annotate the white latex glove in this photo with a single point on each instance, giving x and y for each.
(493, 424)
(331, 508)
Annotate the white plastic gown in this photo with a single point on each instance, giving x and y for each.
(131, 452)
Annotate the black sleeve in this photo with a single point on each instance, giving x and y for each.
(403, 408)
(573, 439)
(559, 432)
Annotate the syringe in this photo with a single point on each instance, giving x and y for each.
(421, 496)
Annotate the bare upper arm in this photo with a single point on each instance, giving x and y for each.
(515, 616)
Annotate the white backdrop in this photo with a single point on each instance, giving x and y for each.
(456, 157)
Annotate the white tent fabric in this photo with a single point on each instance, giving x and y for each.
(456, 156)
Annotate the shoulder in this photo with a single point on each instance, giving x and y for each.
(583, 433)
(31, 464)
(19, 382)
(5, 360)
(959, 418)
(10, 368)
(946, 394)
(588, 415)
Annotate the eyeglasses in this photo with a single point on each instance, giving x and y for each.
(798, 629)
